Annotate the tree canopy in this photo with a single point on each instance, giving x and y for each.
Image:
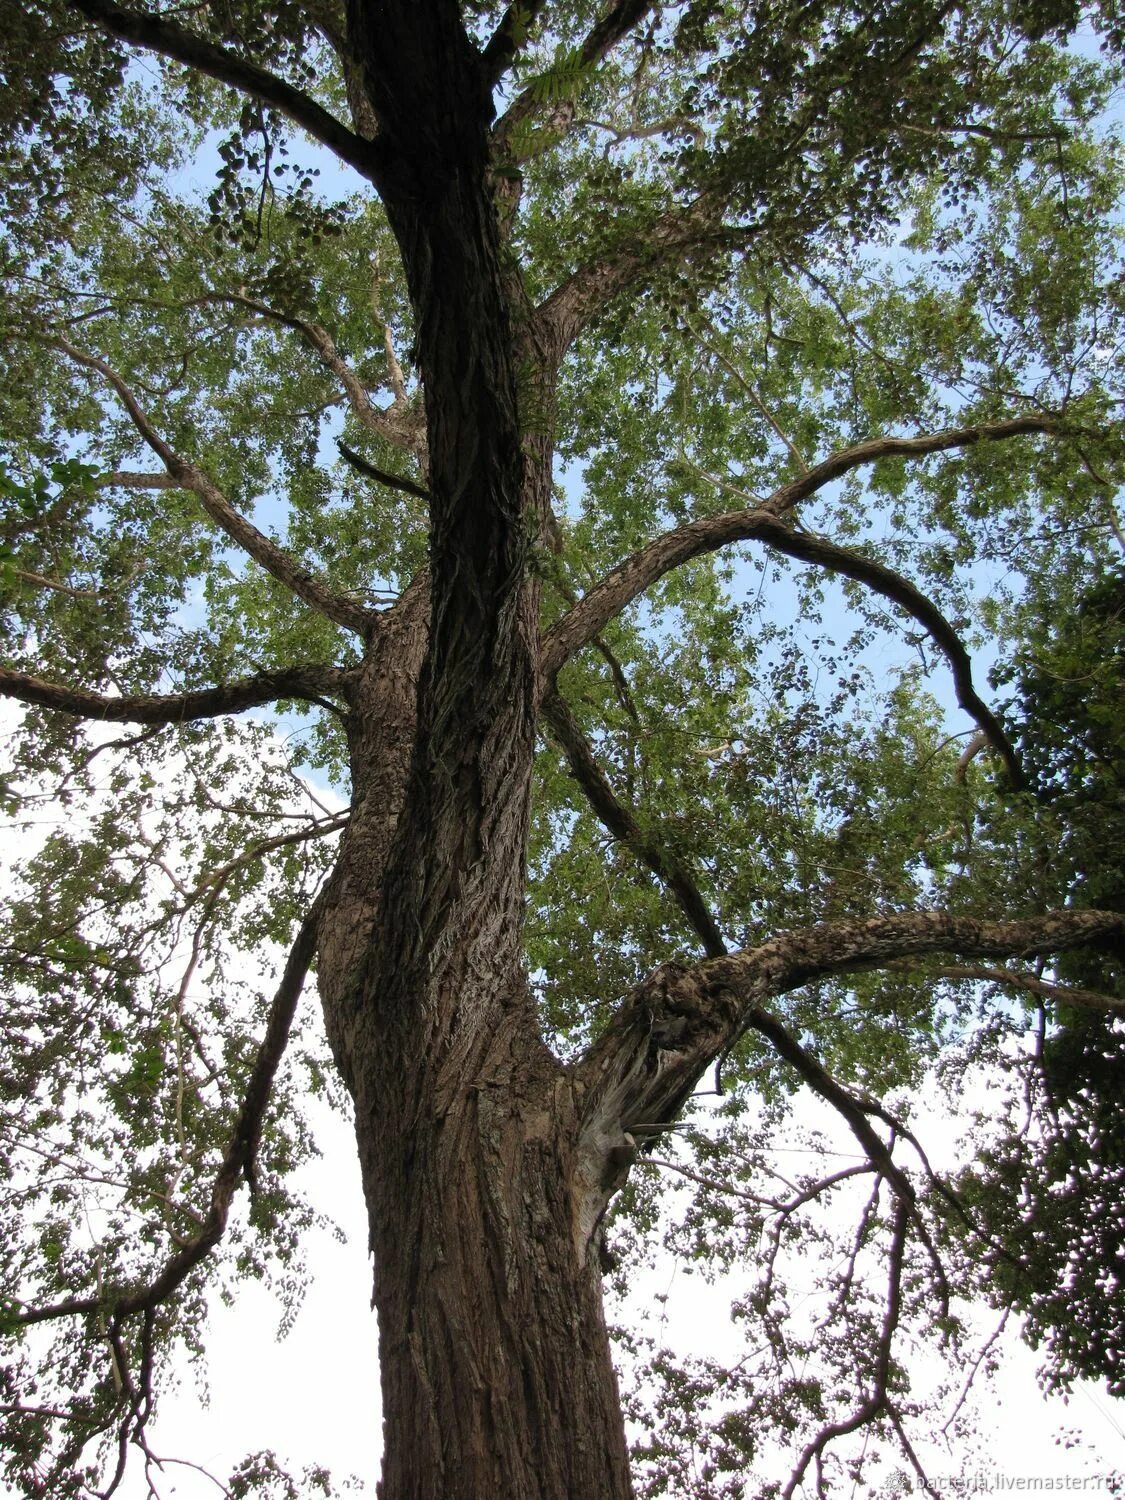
(592, 525)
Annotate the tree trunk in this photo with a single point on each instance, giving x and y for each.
(477, 1169)
(497, 1380)
(496, 1371)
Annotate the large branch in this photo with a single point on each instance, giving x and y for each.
(762, 522)
(285, 568)
(501, 48)
(307, 682)
(796, 958)
(160, 35)
(680, 1018)
(562, 316)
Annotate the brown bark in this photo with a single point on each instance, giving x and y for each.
(497, 1379)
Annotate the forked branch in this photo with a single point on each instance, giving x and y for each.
(682, 1017)
(762, 522)
(285, 568)
(398, 424)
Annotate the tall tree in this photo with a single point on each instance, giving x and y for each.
(458, 446)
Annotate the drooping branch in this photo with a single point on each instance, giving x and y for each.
(893, 586)
(622, 823)
(762, 522)
(285, 568)
(877, 1400)
(237, 1163)
(307, 682)
(158, 34)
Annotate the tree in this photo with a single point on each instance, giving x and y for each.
(459, 449)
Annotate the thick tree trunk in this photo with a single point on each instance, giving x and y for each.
(482, 1185)
(497, 1381)
(496, 1372)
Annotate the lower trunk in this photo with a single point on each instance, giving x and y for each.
(477, 1168)
(496, 1374)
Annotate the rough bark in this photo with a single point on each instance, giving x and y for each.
(497, 1379)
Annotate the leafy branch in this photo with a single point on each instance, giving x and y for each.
(158, 34)
(266, 553)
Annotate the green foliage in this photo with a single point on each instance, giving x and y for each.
(919, 229)
(1051, 1193)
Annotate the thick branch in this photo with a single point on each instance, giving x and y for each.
(681, 1018)
(309, 682)
(157, 34)
(796, 958)
(616, 24)
(239, 1159)
(639, 572)
(265, 552)
(578, 300)
(130, 480)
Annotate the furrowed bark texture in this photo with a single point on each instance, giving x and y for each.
(497, 1380)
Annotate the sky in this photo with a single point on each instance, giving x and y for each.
(312, 1395)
